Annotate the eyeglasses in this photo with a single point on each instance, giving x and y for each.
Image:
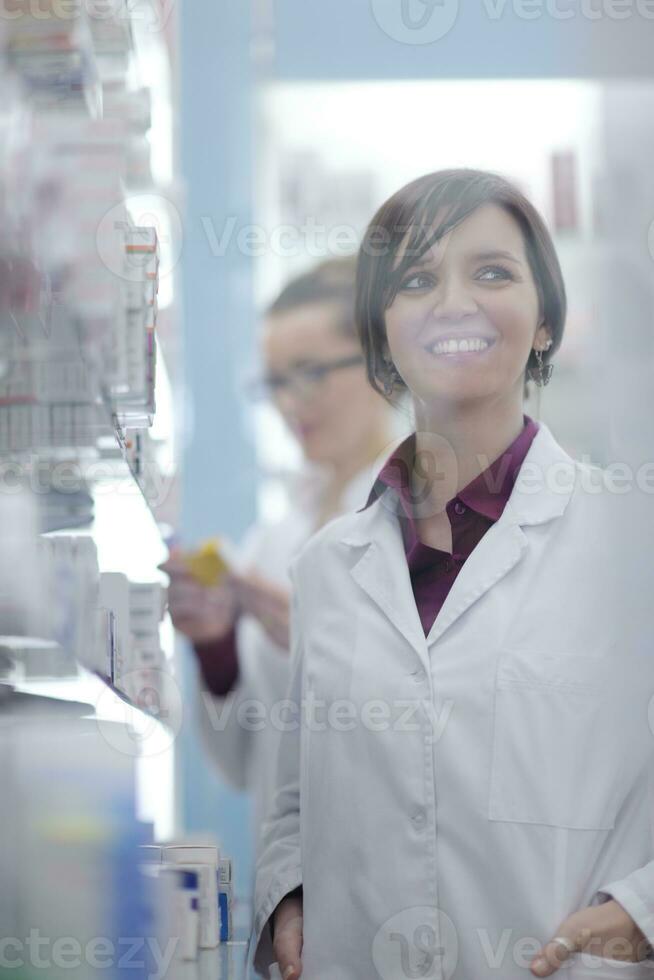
(303, 380)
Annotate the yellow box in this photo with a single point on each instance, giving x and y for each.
(207, 565)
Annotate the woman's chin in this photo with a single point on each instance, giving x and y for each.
(454, 391)
(314, 450)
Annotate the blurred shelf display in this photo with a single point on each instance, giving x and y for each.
(55, 56)
(89, 705)
(79, 281)
(86, 593)
(84, 884)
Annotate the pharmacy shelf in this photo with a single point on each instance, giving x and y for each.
(86, 689)
(88, 693)
(124, 538)
(89, 120)
(116, 459)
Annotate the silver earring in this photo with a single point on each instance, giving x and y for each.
(542, 373)
(391, 376)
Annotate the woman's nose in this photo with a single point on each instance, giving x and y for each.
(453, 299)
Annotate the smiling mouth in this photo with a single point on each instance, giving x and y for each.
(465, 345)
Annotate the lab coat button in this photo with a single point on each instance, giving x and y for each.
(419, 676)
(418, 817)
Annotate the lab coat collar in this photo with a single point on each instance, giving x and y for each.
(541, 493)
(541, 490)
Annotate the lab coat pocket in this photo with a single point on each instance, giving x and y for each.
(583, 966)
(554, 758)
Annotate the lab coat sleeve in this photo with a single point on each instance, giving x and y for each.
(227, 741)
(636, 895)
(279, 868)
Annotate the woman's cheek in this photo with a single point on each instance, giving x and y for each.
(402, 332)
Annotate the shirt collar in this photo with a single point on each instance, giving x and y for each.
(487, 494)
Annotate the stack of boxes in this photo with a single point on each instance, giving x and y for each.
(54, 55)
(136, 663)
(209, 882)
(79, 355)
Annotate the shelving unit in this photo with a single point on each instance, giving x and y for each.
(79, 284)
(89, 701)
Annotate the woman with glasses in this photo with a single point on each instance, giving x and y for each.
(468, 792)
(314, 374)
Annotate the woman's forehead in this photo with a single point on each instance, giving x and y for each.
(487, 230)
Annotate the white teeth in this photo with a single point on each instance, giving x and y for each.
(465, 345)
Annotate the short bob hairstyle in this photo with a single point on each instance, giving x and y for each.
(408, 219)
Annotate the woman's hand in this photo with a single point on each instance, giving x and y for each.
(287, 937)
(267, 601)
(201, 613)
(605, 930)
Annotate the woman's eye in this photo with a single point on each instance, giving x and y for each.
(423, 280)
(417, 281)
(498, 272)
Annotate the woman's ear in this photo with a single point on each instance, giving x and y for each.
(543, 338)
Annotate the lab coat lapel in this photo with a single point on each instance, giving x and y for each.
(500, 549)
(541, 493)
(381, 570)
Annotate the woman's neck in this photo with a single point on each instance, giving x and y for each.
(454, 448)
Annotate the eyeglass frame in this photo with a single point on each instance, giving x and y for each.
(261, 388)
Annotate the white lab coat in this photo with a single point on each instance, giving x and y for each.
(470, 789)
(240, 731)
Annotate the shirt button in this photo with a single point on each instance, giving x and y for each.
(448, 565)
(459, 508)
(418, 818)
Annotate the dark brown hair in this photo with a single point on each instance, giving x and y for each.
(408, 219)
(332, 281)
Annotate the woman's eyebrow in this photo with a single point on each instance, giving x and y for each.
(487, 255)
(496, 253)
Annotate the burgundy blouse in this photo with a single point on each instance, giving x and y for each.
(471, 514)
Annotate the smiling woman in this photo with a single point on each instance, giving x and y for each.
(495, 278)
(481, 586)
